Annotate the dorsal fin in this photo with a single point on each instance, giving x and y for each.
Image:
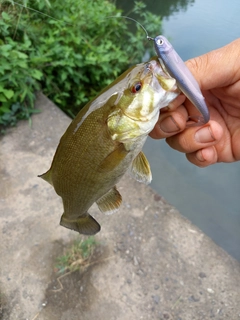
(47, 176)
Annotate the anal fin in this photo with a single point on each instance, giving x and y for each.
(140, 169)
(85, 224)
(110, 202)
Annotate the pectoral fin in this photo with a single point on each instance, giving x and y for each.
(110, 202)
(85, 224)
(141, 169)
(113, 159)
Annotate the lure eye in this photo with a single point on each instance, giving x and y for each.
(137, 87)
(160, 42)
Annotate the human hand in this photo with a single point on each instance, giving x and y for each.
(218, 74)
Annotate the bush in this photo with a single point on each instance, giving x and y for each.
(71, 57)
(18, 79)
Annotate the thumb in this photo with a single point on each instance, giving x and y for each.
(217, 68)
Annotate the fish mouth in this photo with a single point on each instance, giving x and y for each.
(157, 77)
(158, 69)
(151, 71)
(154, 67)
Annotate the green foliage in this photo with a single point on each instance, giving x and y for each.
(76, 256)
(71, 57)
(18, 79)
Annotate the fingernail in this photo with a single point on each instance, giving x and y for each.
(204, 135)
(207, 154)
(199, 156)
(169, 125)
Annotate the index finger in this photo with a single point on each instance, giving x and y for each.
(170, 123)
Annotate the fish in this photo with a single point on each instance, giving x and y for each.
(176, 67)
(105, 140)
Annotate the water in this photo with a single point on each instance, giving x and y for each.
(208, 197)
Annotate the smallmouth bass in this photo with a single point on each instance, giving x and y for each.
(105, 140)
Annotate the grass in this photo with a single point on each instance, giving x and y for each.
(76, 256)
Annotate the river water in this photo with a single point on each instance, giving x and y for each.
(209, 197)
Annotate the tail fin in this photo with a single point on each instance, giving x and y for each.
(85, 224)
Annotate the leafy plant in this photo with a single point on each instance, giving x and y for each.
(18, 79)
(71, 57)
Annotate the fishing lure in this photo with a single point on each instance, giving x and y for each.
(186, 82)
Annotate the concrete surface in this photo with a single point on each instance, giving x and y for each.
(151, 263)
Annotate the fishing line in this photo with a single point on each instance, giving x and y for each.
(47, 15)
(129, 18)
(37, 11)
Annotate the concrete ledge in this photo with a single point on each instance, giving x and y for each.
(154, 264)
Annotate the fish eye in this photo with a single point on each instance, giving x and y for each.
(136, 87)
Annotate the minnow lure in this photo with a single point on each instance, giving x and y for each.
(186, 82)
